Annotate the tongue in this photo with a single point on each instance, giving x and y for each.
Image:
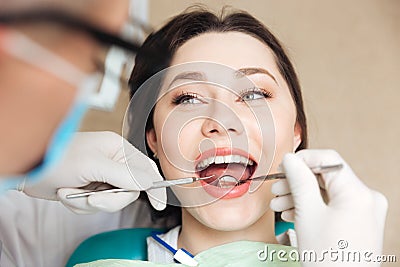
(236, 170)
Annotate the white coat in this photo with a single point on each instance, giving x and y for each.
(36, 232)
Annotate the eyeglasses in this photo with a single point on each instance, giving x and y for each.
(114, 61)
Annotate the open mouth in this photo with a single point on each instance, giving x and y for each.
(230, 174)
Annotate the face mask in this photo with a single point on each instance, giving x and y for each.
(86, 85)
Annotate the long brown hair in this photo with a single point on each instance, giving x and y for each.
(163, 43)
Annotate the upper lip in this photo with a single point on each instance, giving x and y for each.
(223, 153)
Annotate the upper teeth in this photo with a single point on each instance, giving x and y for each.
(224, 159)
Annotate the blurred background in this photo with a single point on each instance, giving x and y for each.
(347, 55)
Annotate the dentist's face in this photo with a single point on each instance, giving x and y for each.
(33, 102)
(203, 129)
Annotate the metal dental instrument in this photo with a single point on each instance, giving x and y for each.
(282, 175)
(159, 184)
(189, 180)
(315, 170)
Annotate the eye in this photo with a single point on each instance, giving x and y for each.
(187, 99)
(254, 94)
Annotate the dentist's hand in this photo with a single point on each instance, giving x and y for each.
(351, 219)
(97, 160)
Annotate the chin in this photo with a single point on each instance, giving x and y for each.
(229, 215)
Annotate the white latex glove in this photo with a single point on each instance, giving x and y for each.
(96, 160)
(353, 213)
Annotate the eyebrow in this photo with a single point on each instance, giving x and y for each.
(189, 75)
(250, 71)
(200, 76)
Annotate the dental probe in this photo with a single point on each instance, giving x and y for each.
(159, 184)
(281, 175)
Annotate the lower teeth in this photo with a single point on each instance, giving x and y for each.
(226, 181)
(226, 185)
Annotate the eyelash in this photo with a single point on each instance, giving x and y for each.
(256, 90)
(179, 99)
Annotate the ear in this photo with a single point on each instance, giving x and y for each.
(297, 136)
(151, 138)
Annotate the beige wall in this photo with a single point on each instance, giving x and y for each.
(348, 59)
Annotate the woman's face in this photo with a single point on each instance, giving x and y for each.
(234, 133)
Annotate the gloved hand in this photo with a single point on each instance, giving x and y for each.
(97, 160)
(352, 218)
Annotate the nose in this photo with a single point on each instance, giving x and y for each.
(221, 120)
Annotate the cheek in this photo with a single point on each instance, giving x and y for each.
(261, 130)
(284, 127)
(285, 120)
(178, 143)
(34, 118)
(274, 130)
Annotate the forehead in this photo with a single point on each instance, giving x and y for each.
(234, 49)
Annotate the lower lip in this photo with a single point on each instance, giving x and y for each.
(226, 193)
